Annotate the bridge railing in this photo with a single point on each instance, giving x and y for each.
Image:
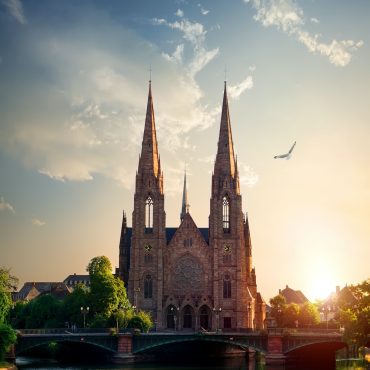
(65, 331)
(284, 331)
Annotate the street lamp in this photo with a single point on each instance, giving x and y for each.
(84, 312)
(175, 312)
(326, 310)
(217, 311)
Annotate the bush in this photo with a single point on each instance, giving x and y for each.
(8, 337)
(142, 320)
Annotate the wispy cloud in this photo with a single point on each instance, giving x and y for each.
(248, 176)
(314, 20)
(179, 13)
(287, 16)
(5, 206)
(37, 222)
(93, 107)
(195, 34)
(202, 10)
(15, 9)
(235, 91)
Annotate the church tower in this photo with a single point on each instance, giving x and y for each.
(231, 263)
(190, 278)
(145, 282)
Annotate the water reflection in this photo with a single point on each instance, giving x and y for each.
(237, 363)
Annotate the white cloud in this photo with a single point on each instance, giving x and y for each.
(5, 206)
(15, 8)
(195, 34)
(236, 90)
(202, 10)
(179, 13)
(88, 118)
(248, 176)
(177, 54)
(287, 16)
(314, 20)
(37, 222)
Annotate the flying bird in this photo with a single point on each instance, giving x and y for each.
(286, 155)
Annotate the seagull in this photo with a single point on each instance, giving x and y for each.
(286, 155)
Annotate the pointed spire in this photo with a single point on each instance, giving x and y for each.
(185, 204)
(149, 161)
(225, 159)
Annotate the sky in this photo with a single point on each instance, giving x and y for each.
(73, 92)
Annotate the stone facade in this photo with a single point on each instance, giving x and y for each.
(191, 278)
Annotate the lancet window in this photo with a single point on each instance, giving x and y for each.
(148, 287)
(149, 214)
(227, 287)
(226, 214)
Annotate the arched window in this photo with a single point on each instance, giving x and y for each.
(148, 287)
(226, 214)
(149, 215)
(227, 286)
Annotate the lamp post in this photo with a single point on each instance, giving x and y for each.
(175, 313)
(217, 312)
(279, 311)
(84, 312)
(326, 310)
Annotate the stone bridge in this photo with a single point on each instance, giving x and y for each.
(276, 344)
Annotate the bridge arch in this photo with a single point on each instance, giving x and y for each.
(28, 344)
(144, 344)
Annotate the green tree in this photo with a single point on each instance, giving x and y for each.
(107, 292)
(71, 306)
(8, 283)
(354, 315)
(278, 305)
(291, 315)
(308, 315)
(99, 266)
(7, 338)
(45, 311)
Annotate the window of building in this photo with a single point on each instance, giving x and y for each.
(148, 287)
(227, 258)
(149, 215)
(227, 287)
(226, 214)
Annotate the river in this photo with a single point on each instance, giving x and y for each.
(224, 364)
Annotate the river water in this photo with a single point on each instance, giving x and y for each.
(239, 363)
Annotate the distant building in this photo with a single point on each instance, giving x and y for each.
(293, 296)
(31, 290)
(72, 280)
(341, 297)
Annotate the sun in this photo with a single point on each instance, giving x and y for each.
(320, 288)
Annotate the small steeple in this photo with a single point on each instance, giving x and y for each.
(149, 161)
(185, 205)
(225, 159)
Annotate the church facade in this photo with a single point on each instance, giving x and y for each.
(190, 278)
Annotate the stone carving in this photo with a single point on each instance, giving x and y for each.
(188, 274)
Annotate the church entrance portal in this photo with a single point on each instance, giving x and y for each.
(204, 316)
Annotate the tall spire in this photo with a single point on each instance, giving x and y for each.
(185, 204)
(225, 159)
(149, 161)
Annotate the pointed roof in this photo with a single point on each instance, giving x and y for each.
(185, 204)
(225, 159)
(149, 159)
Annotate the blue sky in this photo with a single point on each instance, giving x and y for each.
(73, 88)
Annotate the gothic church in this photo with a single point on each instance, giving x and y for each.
(190, 278)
